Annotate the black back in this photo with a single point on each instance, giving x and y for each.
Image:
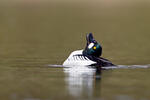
(102, 62)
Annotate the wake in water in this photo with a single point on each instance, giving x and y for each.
(111, 67)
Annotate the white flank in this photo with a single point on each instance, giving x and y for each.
(74, 60)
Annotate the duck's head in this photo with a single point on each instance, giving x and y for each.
(92, 48)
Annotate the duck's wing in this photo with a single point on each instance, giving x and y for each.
(104, 62)
(100, 61)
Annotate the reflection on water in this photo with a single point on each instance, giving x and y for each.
(81, 80)
(86, 83)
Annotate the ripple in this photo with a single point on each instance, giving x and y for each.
(111, 67)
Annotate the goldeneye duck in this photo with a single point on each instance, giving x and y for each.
(90, 56)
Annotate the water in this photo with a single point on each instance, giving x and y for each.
(35, 34)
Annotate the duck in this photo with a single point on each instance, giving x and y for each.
(89, 56)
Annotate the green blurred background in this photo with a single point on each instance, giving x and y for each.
(52, 29)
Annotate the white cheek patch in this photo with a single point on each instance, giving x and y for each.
(91, 45)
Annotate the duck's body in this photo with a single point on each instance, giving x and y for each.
(89, 56)
(77, 58)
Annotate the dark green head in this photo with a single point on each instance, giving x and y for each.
(93, 47)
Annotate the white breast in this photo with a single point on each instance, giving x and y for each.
(77, 59)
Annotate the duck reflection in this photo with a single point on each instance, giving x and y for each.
(81, 81)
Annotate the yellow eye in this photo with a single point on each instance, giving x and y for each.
(94, 47)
